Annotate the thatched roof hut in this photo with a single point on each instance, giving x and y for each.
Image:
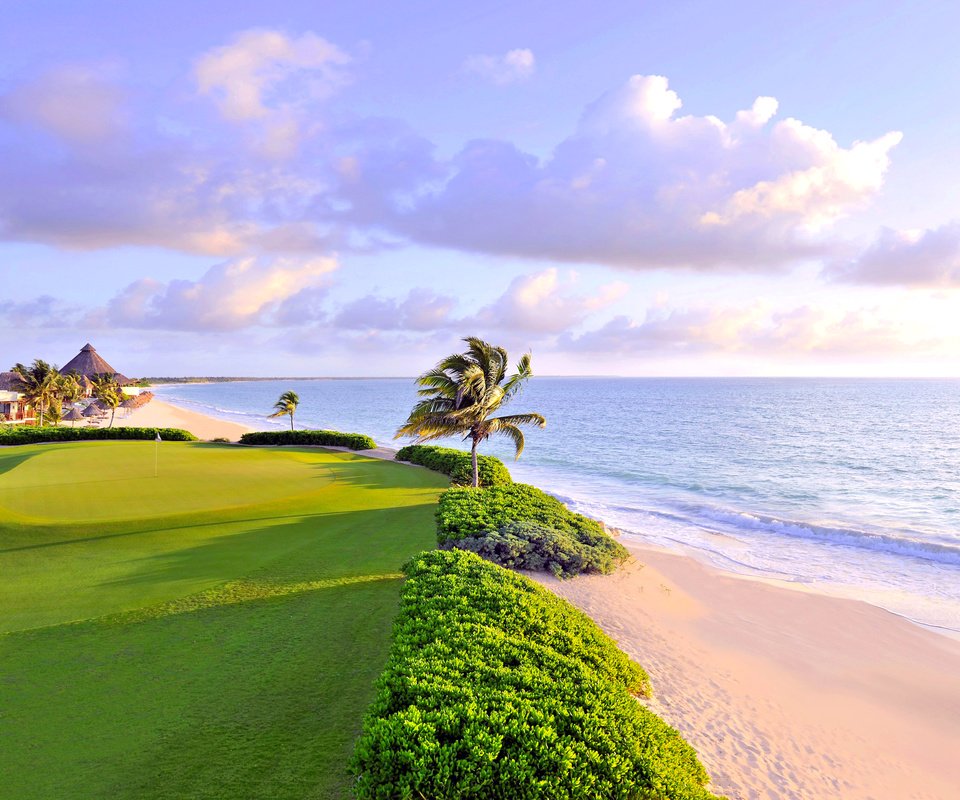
(88, 363)
(93, 410)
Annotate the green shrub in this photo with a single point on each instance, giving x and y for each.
(354, 441)
(523, 527)
(22, 435)
(495, 688)
(456, 464)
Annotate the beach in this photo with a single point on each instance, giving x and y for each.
(158, 414)
(785, 693)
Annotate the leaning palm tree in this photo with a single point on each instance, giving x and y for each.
(287, 404)
(108, 393)
(460, 394)
(39, 383)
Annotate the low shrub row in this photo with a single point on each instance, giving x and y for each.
(456, 464)
(522, 527)
(355, 441)
(495, 688)
(19, 434)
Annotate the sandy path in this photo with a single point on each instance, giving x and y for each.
(786, 694)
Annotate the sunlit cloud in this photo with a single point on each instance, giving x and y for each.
(759, 329)
(236, 294)
(638, 186)
(545, 302)
(928, 258)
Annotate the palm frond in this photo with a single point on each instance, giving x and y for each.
(509, 431)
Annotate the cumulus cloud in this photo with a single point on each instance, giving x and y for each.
(754, 329)
(229, 296)
(545, 303)
(247, 76)
(78, 103)
(635, 185)
(639, 186)
(270, 79)
(421, 310)
(512, 66)
(44, 311)
(906, 258)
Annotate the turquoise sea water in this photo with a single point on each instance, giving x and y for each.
(849, 486)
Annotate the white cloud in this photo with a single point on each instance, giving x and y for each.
(544, 303)
(638, 186)
(906, 258)
(246, 75)
(421, 310)
(512, 66)
(756, 329)
(271, 79)
(229, 296)
(78, 103)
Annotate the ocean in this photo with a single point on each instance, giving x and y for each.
(850, 487)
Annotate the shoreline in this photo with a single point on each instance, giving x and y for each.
(785, 692)
(161, 414)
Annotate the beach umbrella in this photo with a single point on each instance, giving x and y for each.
(129, 404)
(92, 410)
(73, 415)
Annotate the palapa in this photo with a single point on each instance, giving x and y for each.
(88, 364)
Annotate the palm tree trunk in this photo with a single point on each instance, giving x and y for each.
(473, 458)
(113, 412)
(291, 420)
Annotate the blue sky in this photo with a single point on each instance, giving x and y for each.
(306, 188)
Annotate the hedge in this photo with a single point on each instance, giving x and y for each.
(10, 435)
(355, 441)
(522, 527)
(456, 464)
(495, 688)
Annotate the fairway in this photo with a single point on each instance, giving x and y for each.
(212, 632)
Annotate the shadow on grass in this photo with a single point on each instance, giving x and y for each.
(10, 461)
(296, 550)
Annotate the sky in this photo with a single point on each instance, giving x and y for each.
(620, 188)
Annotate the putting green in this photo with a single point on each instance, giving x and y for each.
(211, 633)
(138, 480)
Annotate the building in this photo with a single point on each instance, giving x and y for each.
(13, 405)
(88, 364)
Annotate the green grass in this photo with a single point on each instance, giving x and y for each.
(214, 632)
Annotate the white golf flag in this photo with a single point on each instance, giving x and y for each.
(158, 439)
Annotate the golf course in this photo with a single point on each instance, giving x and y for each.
(193, 620)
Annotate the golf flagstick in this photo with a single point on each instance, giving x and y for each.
(156, 454)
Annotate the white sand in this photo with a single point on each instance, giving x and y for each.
(786, 694)
(158, 414)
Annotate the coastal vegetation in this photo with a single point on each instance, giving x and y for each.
(353, 441)
(457, 464)
(215, 632)
(108, 393)
(462, 392)
(523, 527)
(496, 688)
(41, 383)
(286, 406)
(20, 434)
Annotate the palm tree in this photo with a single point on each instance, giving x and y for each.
(38, 382)
(108, 392)
(287, 404)
(461, 393)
